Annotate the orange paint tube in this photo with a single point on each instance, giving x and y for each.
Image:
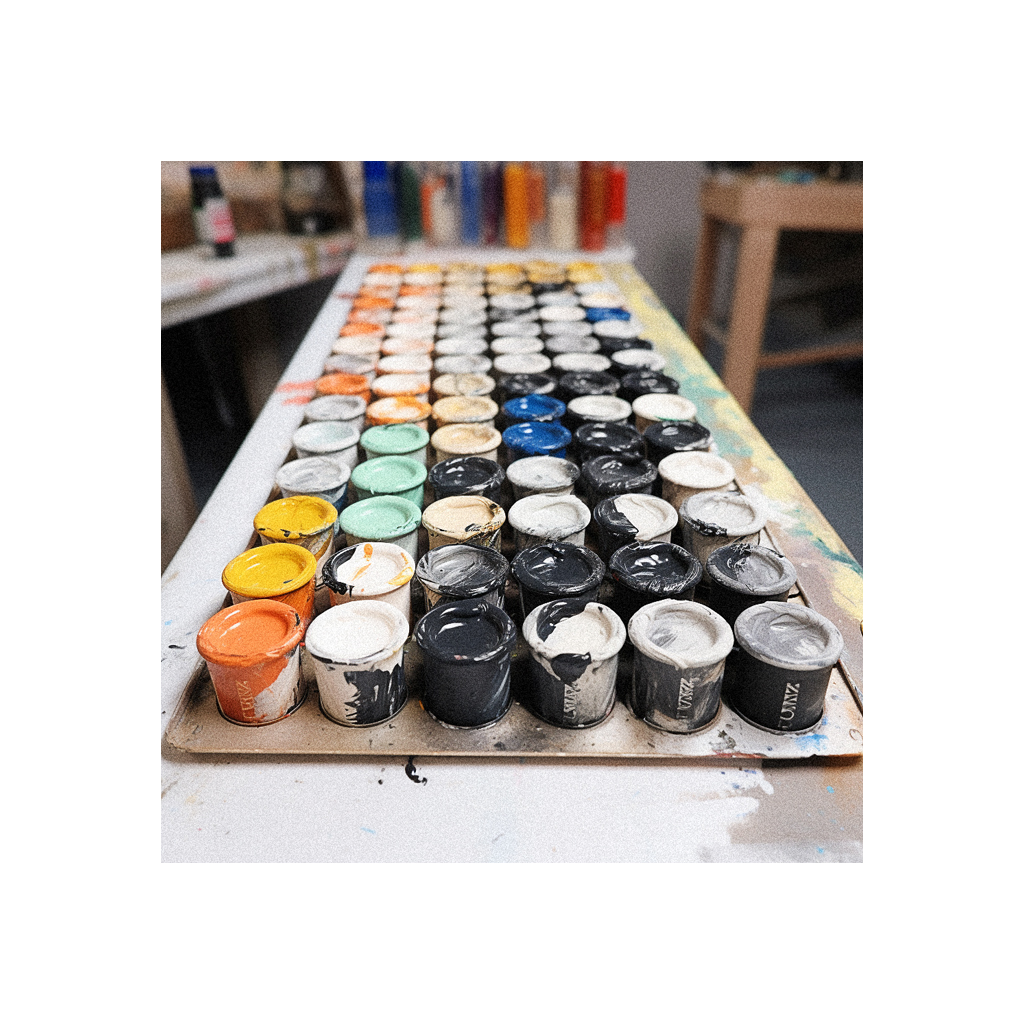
(517, 207)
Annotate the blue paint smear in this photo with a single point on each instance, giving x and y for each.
(830, 789)
(370, 830)
(819, 849)
(816, 741)
(168, 622)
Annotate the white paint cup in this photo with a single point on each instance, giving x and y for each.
(371, 571)
(712, 519)
(542, 474)
(686, 473)
(331, 439)
(648, 409)
(540, 518)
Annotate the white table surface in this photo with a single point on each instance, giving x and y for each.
(318, 808)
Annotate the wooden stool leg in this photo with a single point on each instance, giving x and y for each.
(703, 280)
(752, 288)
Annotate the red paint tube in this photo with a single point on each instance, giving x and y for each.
(593, 192)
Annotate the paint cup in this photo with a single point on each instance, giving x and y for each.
(402, 385)
(361, 332)
(465, 409)
(779, 672)
(361, 345)
(664, 439)
(741, 575)
(406, 346)
(541, 518)
(365, 366)
(462, 364)
(551, 570)
(679, 652)
(513, 302)
(277, 572)
(357, 652)
(629, 360)
(655, 408)
(646, 382)
(643, 573)
(396, 439)
(686, 473)
(252, 652)
(344, 384)
(506, 366)
(390, 474)
(574, 656)
(596, 438)
(579, 383)
(567, 329)
(579, 362)
(467, 660)
(555, 295)
(713, 519)
(384, 519)
(349, 409)
(330, 439)
(564, 344)
(400, 409)
(561, 314)
(627, 518)
(518, 384)
(459, 330)
(318, 477)
(524, 440)
(596, 409)
(611, 345)
(516, 345)
(411, 362)
(457, 572)
(465, 439)
(542, 474)
(371, 572)
(303, 520)
(459, 346)
(464, 519)
(449, 384)
(466, 474)
(606, 475)
(533, 409)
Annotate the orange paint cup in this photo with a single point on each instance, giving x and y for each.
(385, 268)
(359, 329)
(252, 651)
(344, 384)
(371, 302)
(400, 409)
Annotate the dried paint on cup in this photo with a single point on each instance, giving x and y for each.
(467, 661)
(396, 439)
(390, 474)
(778, 675)
(542, 474)
(607, 475)
(555, 295)
(252, 652)
(357, 652)
(344, 384)
(457, 572)
(661, 408)
(466, 474)
(464, 519)
(516, 345)
(679, 652)
(401, 385)
(627, 518)
(564, 344)
(574, 656)
(524, 440)
(365, 366)
(598, 438)
(383, 519)
(331, 439)
(578, 383)
(371, 571)
(646, 572)
(518, 328)
(533, 409)
(552, 570)
(450, 384)
(349, 409)
(303, 520)
(686, 473)
(629, 360)
(596, 409)
(515, 302)
(664, 439)
(410, 362)
(466, 439)
(400, 409)
(567, 329)
(465, 409)
(459, 346)
(713, 519)
(541, 518)
(462, 364)
(277, 572)
(318, 477)
(518, 384)
(580, 362)
(741, 575)
(646, 382)
(506, 366)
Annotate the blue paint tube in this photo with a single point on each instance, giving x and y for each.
(469, 200)
(379, 199)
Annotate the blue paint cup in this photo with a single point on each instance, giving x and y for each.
(597, 313)
(523, 440)
(533, 409)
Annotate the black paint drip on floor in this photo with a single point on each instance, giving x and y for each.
(410, 771)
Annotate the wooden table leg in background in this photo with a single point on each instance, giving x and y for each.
(754, 269)
(703, 279)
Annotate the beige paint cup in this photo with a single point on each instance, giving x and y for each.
(713, 519)
(465, 409)
(466, 439)
(464, 519)
(648, 409)
(686, 473)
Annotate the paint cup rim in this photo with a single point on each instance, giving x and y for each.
(718, 630)
(218, 624)
(325, 436)
(364, 590)
(300, 562)
(620, 561)
(364, 475)
(355, 403)
(355, 610)
(550, 435)
(778, 561)
(520, 565)
(494, 559)
(522, 515)
(647, 405)
(572, 606)
(507, 634)
(496, 515)
(354, 520)
(674, 469)
(333, 475)
(517, 469)
(490, 472)
(693, 515)
(669, 516)
(415, 438)
(748, 620)
(327, 515)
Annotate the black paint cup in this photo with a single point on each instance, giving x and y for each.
(466, 474)
(456, 572)
(646, 382)
(552, 570)
(607, 475)
(515, 385)
(741, 575)
(609, 346)
(577, 383)
(615, 528)
(667, 438)
(600, 438)
(467, 659)
(643, 573)
(778, 674)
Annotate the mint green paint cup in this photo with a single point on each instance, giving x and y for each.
(384, 518)
(395, 475)
(396, 439)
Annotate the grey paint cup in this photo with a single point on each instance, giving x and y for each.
(571, 677)
(679, 652)
(456, 572)
(539, 518)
